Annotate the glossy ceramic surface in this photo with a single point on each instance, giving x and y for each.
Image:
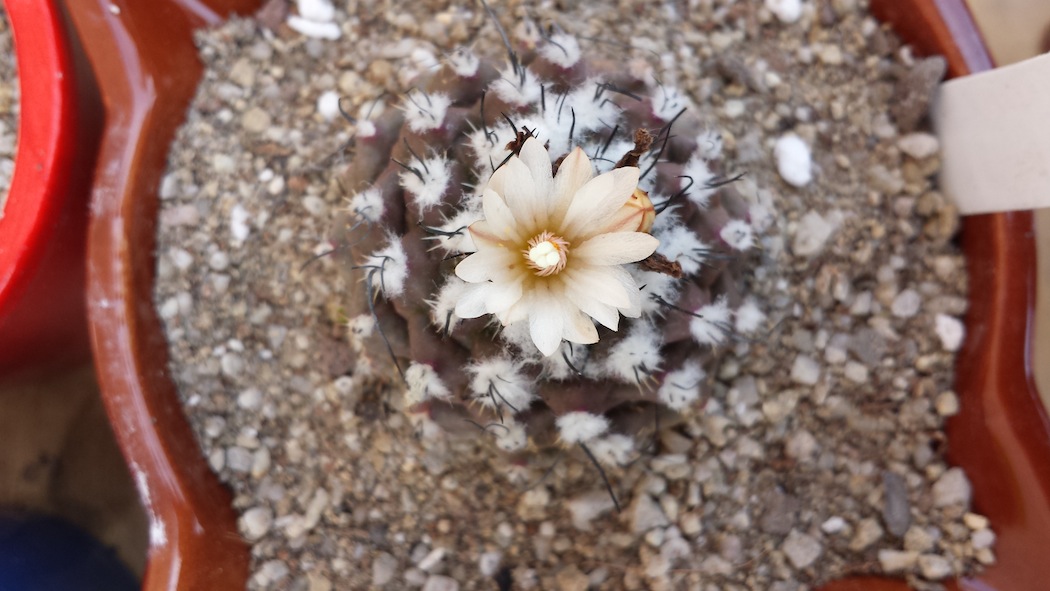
(147, 69)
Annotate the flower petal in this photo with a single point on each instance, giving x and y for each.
(574, 172)
(499, 216)
(597, 203)
(616, 248)
(601, 283)
(471, 303)
(502, 295)
(546, 323)
(608, 316)
(487, 264)
(580, 329)
(535, 157)
(482, 235)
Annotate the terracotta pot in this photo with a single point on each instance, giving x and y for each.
(43, 319)
(147, 69)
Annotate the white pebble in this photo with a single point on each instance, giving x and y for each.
(328, 105)
(906, 304)
(239, 228)
(811, 234)
(218, 260)
(934, 567)
(786, 11)
(895, 561)
(488, 563)
(249, 399)
(318, 11)
(947, 404)
(314, 29)
(952, 488)
(919, 145)
(982, 538)
(805, 370)
(256, 522)
(856, 372)
(833, 525)
(794, 160)
(950, 330)
(801, 549)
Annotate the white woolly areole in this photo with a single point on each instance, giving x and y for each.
(581, 427)
(749, 317)
(498, 382)
(454, 237)
(389, 268)
(655, 285)
(794, 160)
(711, 322)
(668, 102)
(430, 184)
(519, 88)
(682, 245)
(697, 170)
(510, 436)
(518, 335)
(464, 63)
(368, 204)
(557, 366)
(636, 355)
(561, 49)
(424, 112)
(709, 144)
(681, 387)
(364, 129)
(423, 384)
(443, 307)
(613, 450)
(592, 114)
(738, 234)
(359, 328)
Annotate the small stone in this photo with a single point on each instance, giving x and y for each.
(919, 145)
(918, 539)
(256, 522)
(488, 563)
(249, 399)
(950, 331)
(947, 404)
(906, 304)
(915, 90)
(868, 532)
(318, 582)
(805, 370)
(570, 578)
(432, 559)
(833, 525)
(975, 521)
(801, 549)
(896, 510)
(242, 73)
(219, 260)
(256, 120)
(646, 514)
(831, 55)
(440, 583)
(801, 446)
(786, 11)
(896, 561)
(586, 507)
(811, 234)
(856, 372)
(384, 567)
(983, 538)
(794, 160)
(934, 567)
(952, 488)
(239, 459)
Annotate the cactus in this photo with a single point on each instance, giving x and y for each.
(415, 189)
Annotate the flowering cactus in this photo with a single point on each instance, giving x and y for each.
(543, 250)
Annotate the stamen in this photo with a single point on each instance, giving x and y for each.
(547, 254)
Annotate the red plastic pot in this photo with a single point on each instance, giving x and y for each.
(147, 69)
(42, 233)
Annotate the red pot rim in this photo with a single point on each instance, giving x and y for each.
(42, 315)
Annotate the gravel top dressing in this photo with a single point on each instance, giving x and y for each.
(818, 451)
(8, 108)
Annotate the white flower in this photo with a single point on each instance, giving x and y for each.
(551, 249)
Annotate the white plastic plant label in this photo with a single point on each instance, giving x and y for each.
(994, 129)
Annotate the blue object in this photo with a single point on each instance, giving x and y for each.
(46, 553)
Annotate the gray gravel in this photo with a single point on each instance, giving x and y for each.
(819, 452)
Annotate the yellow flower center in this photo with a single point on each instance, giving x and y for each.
(547, 254)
